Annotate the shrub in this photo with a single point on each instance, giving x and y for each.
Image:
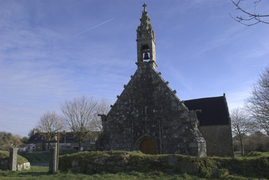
(222, 173)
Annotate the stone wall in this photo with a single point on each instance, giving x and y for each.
(218, 140)
(3, 164)
(19, 167)
(120, 161)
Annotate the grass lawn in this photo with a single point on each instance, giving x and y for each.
(41, 172)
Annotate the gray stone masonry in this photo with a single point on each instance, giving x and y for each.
(4, 165)
(12, 163)
(53, 160)
(148, 109)
(23, 166)
(218, 140)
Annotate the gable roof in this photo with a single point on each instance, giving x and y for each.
(23, 145)
(148, 89)
(214, 110)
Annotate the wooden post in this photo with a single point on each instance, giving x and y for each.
(58, 140)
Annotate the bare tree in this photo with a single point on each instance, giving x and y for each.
(257, 18)
(49, 124)
(258, 103)
(102, 108)
(80, 115)
(240, 124)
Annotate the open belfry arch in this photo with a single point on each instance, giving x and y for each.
(148, 115)
(145, 40)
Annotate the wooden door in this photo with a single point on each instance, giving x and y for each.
(148, 147)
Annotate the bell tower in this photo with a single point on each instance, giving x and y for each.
(146, 42)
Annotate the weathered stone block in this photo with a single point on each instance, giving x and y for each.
(189, 168)
(100, 161)
(90, 166)
(26, 165)
(121, 163)
(13, 159)
(117, 169)
(110, 163)
(74, 163)
(4, 164)
(19, 167)
(172, 160)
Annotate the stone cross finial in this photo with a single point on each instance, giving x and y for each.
(144, 5)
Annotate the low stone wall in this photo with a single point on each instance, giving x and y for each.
(110, 161)
(19, 167)
(3, 164)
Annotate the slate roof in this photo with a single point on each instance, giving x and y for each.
(23, 145)
(214, 110)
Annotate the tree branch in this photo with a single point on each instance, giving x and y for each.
(254, 16)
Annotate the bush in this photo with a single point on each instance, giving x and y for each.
(206, 172)
(222, 173)
(256, 154)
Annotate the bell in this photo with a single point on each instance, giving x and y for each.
(146, 56)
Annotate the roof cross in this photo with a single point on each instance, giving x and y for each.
(144, 5)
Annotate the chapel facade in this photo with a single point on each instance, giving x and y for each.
(148, 116)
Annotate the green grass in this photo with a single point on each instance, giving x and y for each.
(256, 154)
(137, 152)
(5, 155)
(36, 157)
(41, 173)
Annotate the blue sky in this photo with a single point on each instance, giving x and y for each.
(52, 51)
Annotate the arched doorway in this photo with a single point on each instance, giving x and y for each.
(148, 147)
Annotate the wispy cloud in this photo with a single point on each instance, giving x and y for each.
(38, 71)
(93, 27)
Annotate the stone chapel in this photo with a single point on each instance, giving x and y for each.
(148, 116)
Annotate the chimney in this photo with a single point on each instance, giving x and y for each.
(34, 131)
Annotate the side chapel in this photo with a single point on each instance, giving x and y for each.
(148, 116)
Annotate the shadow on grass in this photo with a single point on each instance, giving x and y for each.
(34, 173)
(40, 164)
